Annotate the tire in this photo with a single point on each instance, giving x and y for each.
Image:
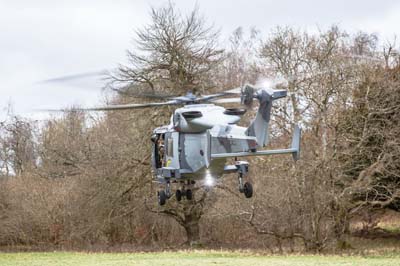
(248, 190)
(178, 195)
(189, 194)
(162, 197)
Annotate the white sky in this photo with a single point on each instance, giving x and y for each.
(44, 39)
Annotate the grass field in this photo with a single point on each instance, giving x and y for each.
(186, 258)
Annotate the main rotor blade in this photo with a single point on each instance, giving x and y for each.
(212, 96)
(234, 91)
(150, 95)
(117, 107)
(226, 100)
(74, 77)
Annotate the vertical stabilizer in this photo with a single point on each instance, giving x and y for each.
(296, 142)
(259, 126)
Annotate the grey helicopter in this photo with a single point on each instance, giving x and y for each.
(202, 135)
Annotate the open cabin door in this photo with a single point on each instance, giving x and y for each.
(158, 150)
(172, 150)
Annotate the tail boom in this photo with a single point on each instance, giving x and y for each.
(294, 149)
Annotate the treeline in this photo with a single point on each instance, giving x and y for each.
(84, 180)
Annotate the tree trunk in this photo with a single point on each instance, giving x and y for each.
(324, 128)
(188, 214)
(193, 211)
(192, 229)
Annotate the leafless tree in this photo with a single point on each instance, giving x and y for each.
(174, 53)
(369, 146)
(17, 145)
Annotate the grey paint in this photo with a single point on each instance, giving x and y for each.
(205, 142)
(259, 126)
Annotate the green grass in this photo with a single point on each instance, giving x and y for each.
(187, 258)
(393, 230)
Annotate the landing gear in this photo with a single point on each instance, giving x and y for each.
(243, 170)
(165, 194)
(184, 193)
(178, 195)
(189, 194)
(248, 190)
(162, 197)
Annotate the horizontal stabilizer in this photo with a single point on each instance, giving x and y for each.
(294, 149)
(279, 94)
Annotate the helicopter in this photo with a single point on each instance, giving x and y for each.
(202, 135)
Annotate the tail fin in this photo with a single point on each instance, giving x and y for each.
(296, 142)
(259, 126)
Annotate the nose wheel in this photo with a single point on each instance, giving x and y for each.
(178, 195)
(183, 193)
(165, 194)
(189, 194)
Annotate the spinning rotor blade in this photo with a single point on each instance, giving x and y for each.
(150, 95)
(227, 100)
(234, 91)
(130, 106)
(73, 77)
(118, 107)
(212, 96)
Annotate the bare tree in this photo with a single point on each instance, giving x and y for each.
(241, 63)
(174, 53)
(369, 149)
(17, 145)
(321, 71)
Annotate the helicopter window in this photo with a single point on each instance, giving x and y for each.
(170, 147)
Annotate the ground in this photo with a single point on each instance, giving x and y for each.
(194, 258)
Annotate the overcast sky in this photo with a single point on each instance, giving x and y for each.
(45, 39)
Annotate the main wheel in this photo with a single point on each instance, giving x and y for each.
(178, 195)
(162, 197)
(189, 194)
(248, 190)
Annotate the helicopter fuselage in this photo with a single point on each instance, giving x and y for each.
(188, 148)
(200, 137)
